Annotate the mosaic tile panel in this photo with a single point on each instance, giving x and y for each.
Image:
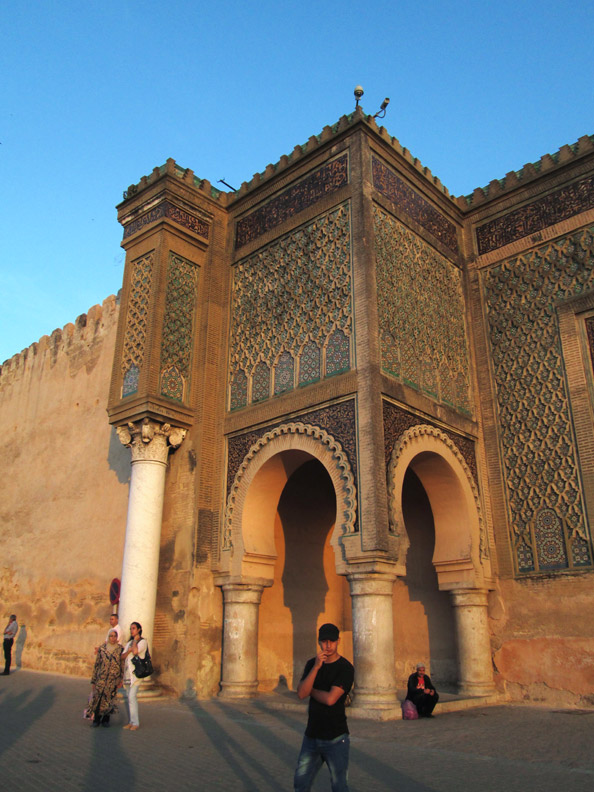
(549, 540)
(559, 205)
(417, 208)
(326, 180)
(178, 326)
(284, 374)
(293, 294)
(339, 420)
(397, 421)
(421, 315)
(261, 383)
(141, 281)
(337, 353)
(310, 368)
(239, 391)
(537, 446)
(167, 209)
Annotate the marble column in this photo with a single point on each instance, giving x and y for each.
(150, 443)
(241, 605)
(373, 640)
(475, 667)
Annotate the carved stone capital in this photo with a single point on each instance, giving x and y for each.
(150, 441)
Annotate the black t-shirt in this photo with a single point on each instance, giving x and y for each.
(324, 722)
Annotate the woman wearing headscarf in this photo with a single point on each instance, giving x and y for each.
(136, 646)
(106, 679)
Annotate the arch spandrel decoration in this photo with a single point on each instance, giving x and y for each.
(311, 441)
(461, 547)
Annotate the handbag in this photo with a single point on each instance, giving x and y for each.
(143, 667)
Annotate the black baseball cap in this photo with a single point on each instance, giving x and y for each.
(328, 632)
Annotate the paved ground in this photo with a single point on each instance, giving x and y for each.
(46, 745)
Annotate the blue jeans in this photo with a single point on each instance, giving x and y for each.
(312, 756)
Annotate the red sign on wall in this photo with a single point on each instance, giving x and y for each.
(114, 591)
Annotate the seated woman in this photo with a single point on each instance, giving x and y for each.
(107, 678)
(422, 693)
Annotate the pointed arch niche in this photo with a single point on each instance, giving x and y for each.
(291, 455)
(453, 523)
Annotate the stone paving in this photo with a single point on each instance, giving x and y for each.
(46, 745)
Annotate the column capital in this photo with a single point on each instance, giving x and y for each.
(150, 441)
(473, 597)
(242, 592)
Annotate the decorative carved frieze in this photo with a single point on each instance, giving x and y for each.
(417, 208)
(324, 181)
(558, 205)
(167, 209)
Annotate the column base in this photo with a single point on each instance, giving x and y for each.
(238, 690)
(476, 689)
(374, 700)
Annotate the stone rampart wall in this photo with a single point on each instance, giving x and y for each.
(63, 493)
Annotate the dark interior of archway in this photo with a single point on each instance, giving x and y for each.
(307, 510)
(421, 580)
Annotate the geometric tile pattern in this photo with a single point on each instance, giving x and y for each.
(136, 322)
(559, 205)
(178, 326)
(537, 443)
(421, 312)
(421, 211)
(289, 298)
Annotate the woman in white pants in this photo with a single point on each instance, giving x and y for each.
(137, 645)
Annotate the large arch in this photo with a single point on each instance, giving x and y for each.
(460, 555)
(248, 541)
(249, 552)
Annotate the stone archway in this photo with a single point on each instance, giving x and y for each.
(249, 553)
(460, 555)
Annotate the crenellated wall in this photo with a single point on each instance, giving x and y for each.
(63, 494)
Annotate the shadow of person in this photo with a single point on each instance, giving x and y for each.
(19, 644)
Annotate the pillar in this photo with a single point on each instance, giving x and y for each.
(373, 639)
(149, 443)
(475, 667)
(241, 606)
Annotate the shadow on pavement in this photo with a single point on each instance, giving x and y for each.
(24, 711)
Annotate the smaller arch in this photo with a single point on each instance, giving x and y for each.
(247, 549)
(461, 551)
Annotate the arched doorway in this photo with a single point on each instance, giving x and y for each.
(306, 590)
(292, 501)
(424, 627)
(431, 487)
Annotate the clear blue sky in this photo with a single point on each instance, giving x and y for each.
(95, 94)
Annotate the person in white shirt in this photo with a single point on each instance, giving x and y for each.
(10, 631)
(137, 645)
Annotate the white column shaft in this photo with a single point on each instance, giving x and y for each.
(140, 566)
(240, 640)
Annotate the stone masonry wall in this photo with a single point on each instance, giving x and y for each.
(63, 493)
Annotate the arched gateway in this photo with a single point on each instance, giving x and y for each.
(249, 549)
(460, 556)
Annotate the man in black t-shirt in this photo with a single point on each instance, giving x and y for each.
(327, 679)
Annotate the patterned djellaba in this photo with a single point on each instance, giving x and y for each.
(537, 444)
(289, 300)
(421, 315)
(136, 323)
